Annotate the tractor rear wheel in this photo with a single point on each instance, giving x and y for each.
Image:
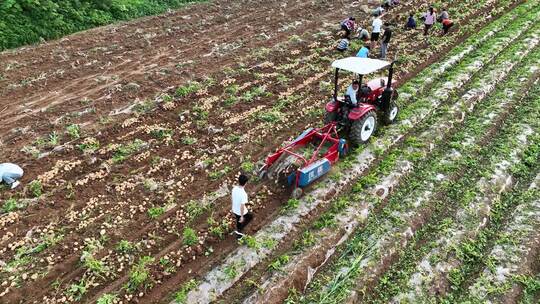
(391, 114)
(362, 129)
(329, 117)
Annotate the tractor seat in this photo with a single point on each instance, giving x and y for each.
(365, 91)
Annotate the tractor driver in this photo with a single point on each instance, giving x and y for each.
(352, 92)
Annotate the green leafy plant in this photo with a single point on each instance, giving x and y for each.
(250, 241)
(247, 166)
(89, 145)
(125, 246)
(10, 205)
(162, 133)
(219, 173)
(189, 237)
(78, 290)
(155, 212)
(194, 209)
(230, 271)
(291, 204)
(187, 89)
(232, 89)
(54, 138)
(216, 228)
(35, 188)
(125, 150)
(139, 274)
(141, 107)
(74, 131)
(94, 265)
(181, 295)
(187, 140)
(278, 263)
(272, 116)
(108, 298)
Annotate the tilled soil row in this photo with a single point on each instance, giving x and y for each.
(206, 25)
(515, 258)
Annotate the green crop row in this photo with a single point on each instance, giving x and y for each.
(456, 196)
(413, 183)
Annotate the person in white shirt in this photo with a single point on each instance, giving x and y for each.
(10, 173)
(376, 32)
(352, 91)
(429, 20)
(239, 208)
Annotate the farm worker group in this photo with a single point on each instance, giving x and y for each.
(10, 174)
(383, 30)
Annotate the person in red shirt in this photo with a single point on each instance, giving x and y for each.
(446, 25)
(444, 19)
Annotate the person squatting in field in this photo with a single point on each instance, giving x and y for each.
(10, 174)
(411, 22)
(364, 51)
(363, 34)
(348, 25)
(343, 44)
(239, 199)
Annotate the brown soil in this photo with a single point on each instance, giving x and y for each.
(113, 66)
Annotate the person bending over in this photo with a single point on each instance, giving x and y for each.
(10, 174)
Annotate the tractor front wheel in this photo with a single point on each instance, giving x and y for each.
(362, 129)
(329, 117)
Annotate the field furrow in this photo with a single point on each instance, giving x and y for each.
(516, 249)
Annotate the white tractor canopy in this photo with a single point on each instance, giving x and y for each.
(362, 66)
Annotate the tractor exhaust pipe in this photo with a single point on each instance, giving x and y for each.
(388, 91)
(336, 84)
(390, 75)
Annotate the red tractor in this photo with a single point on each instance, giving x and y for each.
(374, 98)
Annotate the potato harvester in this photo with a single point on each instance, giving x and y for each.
(305, 159)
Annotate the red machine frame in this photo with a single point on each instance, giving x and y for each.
(326, 134)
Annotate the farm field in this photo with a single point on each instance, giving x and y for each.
(132, 135)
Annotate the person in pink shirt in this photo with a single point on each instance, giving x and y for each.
(429, 19)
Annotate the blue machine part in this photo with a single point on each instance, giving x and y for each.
(303, 135)
(342, 147)
(311, 173)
